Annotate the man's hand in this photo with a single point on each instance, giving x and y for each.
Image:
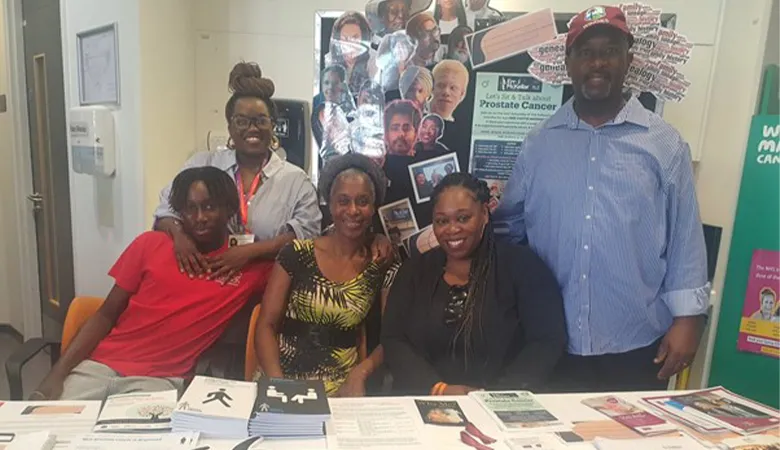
(190, 260)
(49, 389)
(354, 385)
(225, 266)
(382, 250)
(679, 345)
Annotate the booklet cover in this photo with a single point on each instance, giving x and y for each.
(138, 412)
(216, 397)
(517, 411)
(629, 415)
(441, 412)
(41, 440)
(290, 397)
(723, 409)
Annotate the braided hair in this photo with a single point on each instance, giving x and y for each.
(246, 80)
(221, 188)
(483, 259)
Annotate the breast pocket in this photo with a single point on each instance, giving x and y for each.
(631, 189)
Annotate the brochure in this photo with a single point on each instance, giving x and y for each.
(665, 443)
(629, 415)
(138, 412)
(288, 408)
(518, 411)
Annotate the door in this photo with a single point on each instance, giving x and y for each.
(50, 199)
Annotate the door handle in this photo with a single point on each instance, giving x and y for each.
(37, 201)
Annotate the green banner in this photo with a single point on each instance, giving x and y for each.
(756, 230)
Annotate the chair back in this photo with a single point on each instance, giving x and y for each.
(80, 309)
(250, 359)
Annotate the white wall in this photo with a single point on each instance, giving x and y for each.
(277, 34)
(106, 214)
(167, 93)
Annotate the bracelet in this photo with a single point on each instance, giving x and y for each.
(438, 388)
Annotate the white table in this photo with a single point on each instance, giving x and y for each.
(566, 407)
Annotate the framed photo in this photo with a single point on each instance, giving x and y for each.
(398, 221)
(421, 242)
(427, 174)
(98, 66)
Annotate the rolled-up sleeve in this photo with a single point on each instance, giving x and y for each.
(164, 208)
(509, 217)
(306, 219)
(685, 289)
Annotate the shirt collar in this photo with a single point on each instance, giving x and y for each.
(633, 111)
(274, 164)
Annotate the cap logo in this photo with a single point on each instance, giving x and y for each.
(595, 13)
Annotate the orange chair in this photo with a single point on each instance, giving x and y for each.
(250, 361)
(79, 311)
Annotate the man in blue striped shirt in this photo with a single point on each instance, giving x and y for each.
(604, 192)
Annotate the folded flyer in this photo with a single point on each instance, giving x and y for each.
(136, 441)
(137, 412)
(629, 415)
(518, 411)
(719, 408)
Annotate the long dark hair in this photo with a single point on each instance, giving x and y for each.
(460, 12)
(482, 260)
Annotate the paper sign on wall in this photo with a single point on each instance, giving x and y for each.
(658, 54)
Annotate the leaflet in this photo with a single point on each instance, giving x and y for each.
(157, 441)
(378, 423)
(518, 411)
(137, 412)
(629, 415)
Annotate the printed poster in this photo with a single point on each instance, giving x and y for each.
(506, 107)
(759, 330)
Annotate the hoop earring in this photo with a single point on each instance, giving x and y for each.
(230, 144)
(275, 143)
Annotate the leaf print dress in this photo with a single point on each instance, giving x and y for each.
(314, 299)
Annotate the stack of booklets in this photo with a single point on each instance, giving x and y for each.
(518, 411)
(58, 418)
(716, 410)
(217, 408)
(289, 408)
(140, 412)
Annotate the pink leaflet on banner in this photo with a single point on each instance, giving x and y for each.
(759, 330)
(551, 52)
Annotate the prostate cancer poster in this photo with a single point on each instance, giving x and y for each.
(506, 107)
(759, 330)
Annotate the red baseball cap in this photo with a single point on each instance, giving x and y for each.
(611, 16)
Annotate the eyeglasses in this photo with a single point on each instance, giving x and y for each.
(244, 122)
(456, 306)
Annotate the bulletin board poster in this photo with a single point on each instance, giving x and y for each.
(759, 330)
(506, 107)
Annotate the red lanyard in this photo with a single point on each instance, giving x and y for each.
(243, 199)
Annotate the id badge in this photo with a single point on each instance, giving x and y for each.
(236, 240)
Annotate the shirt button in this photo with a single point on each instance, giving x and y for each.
(584, 277)
(587, 217)
(590, 188)
(592, 158)
(585, 247)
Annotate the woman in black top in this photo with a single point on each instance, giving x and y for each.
(471, 315)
